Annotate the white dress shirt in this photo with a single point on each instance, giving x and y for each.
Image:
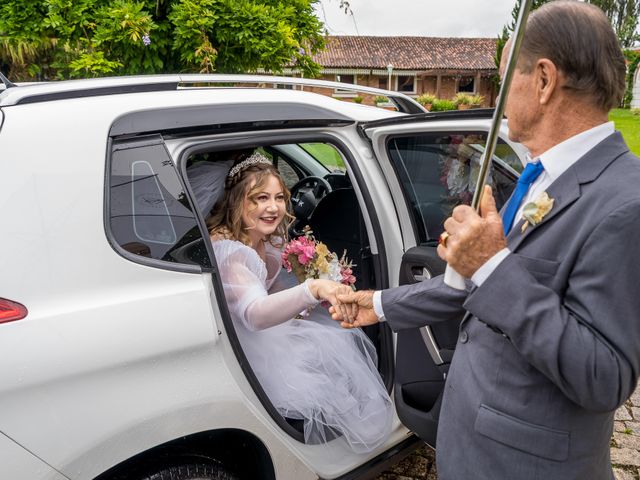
(555, 161)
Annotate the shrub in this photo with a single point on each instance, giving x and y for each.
(380, 99)
(462, 98)
(476, 100)
(357, 99)
(440, 105)
(426, 98)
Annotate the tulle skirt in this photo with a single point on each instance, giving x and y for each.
(314, 370)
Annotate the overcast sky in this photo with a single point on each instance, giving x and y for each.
(432, 18)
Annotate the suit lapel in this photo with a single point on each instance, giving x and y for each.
(566, 189)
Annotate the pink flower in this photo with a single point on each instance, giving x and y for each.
(306, 254)
(285, 261)
(308, 259)
(347, 276)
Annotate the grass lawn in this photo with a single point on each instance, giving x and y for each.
(326, 154)
(629, 125)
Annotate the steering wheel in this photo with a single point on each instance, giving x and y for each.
(305, 195)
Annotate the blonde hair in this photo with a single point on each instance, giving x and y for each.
(226, 216)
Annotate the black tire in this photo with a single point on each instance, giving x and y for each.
(192, 471)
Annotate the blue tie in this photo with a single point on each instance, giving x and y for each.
(528, 176)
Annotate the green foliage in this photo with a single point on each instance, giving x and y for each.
(426, 98)
(462, 98)
(627, 123)
(440, 105)
(357, 99)
(380, 99)
(633, 61)
(507, 30)
(476, 100)
(47, 39)
(623, 15)
(92, 64)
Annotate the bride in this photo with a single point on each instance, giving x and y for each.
(310, 368)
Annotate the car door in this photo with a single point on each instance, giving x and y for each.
(431, 165)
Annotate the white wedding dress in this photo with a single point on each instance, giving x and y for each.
(311, 369)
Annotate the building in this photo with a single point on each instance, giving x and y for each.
(412, 65)
(635, 98)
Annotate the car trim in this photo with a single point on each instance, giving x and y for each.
(50, 91)
(96, 92)
(382, 462)
(209, 118)
(474, 113)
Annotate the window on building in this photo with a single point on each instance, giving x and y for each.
(383, 83)
(406, 84)
(346, 79)
(343, 78)
(467, 85)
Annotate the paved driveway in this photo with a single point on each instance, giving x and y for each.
(625, 450)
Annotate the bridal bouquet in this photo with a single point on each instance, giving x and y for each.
(309, 258)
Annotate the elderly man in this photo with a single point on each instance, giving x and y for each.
(550, 344)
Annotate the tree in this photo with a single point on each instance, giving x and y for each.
(507, 30)
(47, 39)
(623, 15)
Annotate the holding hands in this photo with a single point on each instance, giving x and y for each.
(330, 291)
(470, 239)
(364, 314)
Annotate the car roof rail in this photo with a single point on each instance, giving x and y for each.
(402, 102)
(49, 91)
(6, 82)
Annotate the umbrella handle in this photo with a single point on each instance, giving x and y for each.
(454, 279)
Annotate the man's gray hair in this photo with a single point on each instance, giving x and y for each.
(578, 38)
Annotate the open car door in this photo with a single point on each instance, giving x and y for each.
(431, 164)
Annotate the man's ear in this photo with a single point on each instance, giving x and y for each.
(547, 80)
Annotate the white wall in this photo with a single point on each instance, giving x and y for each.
(635, 102)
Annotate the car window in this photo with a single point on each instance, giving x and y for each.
(150, 215)
(326, 154)
(439, 171)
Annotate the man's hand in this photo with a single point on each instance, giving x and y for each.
(365, 314)
(328, 290)
(473, 239)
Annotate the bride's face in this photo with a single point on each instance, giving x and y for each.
(264, 209)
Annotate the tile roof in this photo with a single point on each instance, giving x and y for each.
(408, 53)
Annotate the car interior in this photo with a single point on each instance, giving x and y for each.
(322, 198)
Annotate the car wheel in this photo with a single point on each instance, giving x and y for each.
(192, 471)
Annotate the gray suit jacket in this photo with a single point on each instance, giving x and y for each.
(537, 400)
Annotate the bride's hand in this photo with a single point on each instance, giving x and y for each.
(327, 290)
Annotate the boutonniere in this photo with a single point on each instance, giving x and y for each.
(534, 212)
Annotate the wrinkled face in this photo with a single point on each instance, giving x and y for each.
(522, 107)
(263, 209)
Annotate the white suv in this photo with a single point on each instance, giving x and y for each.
(118, 358)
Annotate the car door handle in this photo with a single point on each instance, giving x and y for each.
(420, 274)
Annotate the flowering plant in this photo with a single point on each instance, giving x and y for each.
(534, 212)
(309, 258)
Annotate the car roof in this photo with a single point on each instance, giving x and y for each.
(85, 88)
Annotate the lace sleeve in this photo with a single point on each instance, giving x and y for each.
(243, 277)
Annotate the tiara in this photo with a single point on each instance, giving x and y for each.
(254, 159)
